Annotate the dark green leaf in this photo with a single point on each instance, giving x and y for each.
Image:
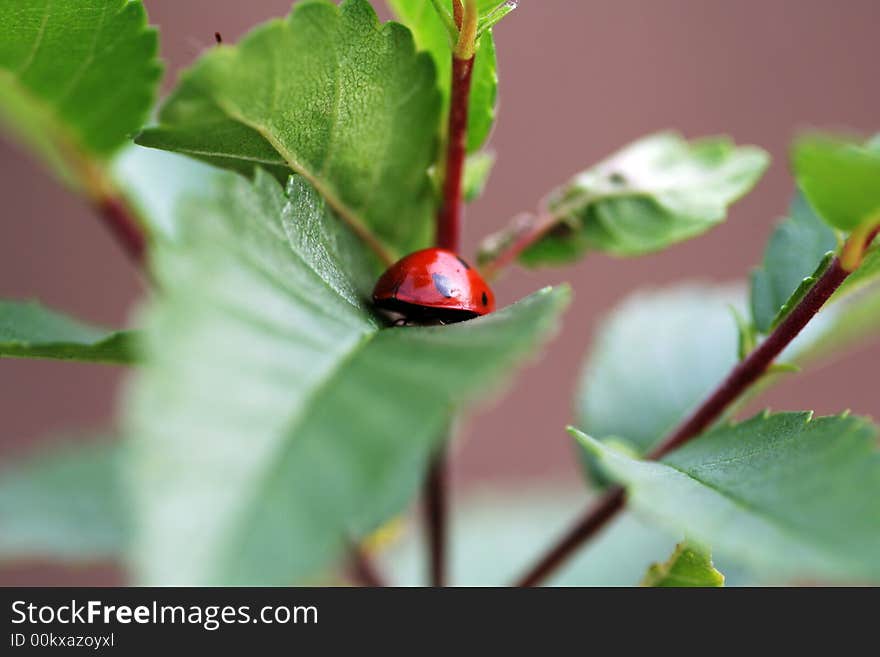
(689, 566)
(329, 93)
(794, 251)
(77, 79)
(29, 330)
(67, 504)
(787, 492)
(274, 418)
(841, 179)
(654, 193)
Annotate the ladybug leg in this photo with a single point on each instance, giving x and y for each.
(402, 321)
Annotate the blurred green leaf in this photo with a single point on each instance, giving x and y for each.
(785, 491)
(793, 253)
(689, 566)
(274, 420)
(30, 330)
(841, 180)
(656, 192)
(431, 36)
(329, 93)
(66, 504)
(76, 79)
(476, 172)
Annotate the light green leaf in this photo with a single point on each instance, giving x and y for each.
(841, 180)
(477, 168)
(689, 566)
(29, 330)
(654, 193)
(329, 93)
(793, 253)
(431, 36)
(66, 505)
(76, 79)
(274, 419)
(785, 491)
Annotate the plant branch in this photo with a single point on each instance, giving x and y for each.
(451, 209)
(527, 229)
(448, 236)
(744, 375)
(118, 218)
(437, 516)
(363, 569)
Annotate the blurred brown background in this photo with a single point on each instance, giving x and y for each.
(579, 78)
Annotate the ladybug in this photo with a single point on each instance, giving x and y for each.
(433, 285)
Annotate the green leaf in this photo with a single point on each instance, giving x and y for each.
(841, 179)
(66, 504)
(476, 172)
(689, 566)
(654, 193)
(29, 330)
(76, 79)
(786, 491)
(432, 37)
(329, 93)
(796, 248)
(274, 418)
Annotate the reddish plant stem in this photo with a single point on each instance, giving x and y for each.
(363, 569)
(737, 382)
(449, 218)
(437, 517)
(533, 228)
(448, 237)
(124, 226)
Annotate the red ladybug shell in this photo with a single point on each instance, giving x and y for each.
(433, 284)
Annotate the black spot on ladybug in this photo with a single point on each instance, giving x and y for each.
(217, 37)
(485, 299)
(443, 285)
(463, 263)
